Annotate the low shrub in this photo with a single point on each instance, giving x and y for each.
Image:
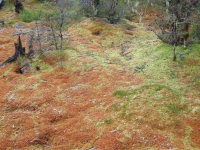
(29, 15)
(196, 32)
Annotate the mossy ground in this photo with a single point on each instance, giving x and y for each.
(114, 87)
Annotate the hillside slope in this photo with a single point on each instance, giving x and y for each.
(118, 88)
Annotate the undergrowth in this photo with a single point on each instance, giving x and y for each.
(37, 62)
(30, 15)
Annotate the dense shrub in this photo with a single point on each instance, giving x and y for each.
(196, 32)
(103, 9)
(29, 15)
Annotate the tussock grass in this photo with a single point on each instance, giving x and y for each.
(29, 15)
(37, 62)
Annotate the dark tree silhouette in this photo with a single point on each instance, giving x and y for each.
(18, 6)
(19, 51)
(174, 24)
(113, 11)
(1, 3)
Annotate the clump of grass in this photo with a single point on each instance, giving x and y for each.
(37, 62)
(120, 93)
(108, 121)
(10, 5)
(124, 111)
(187, 139)
(154, 92)
(173, 108)
(115, 107)
(159, 87)
(10, 22)
(147, 98)
(29, 15)
(98, 123)
(61, 56)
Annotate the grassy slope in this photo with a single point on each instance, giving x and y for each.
(102, 99)
(169, 94)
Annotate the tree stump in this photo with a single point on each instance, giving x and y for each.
(18, 6)
(19, 51)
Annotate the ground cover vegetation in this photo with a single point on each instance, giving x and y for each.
(100, 74)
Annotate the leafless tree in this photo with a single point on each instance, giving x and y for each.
(174, 24)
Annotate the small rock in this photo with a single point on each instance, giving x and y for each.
(168, 145)
(113, 131)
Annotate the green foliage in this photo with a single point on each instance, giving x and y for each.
(89, 9)
(10, 5)
(148, 97)
(30, 15)
(108, 121)
(59, 17)
(37, 62)
(20, 61)
(196, 32)
(175, 23)
(115, 107)
(120, 93)
(10, 22)
(61, 56)
(173, 108)
(139, 8)
(123, 11)
(103, 10)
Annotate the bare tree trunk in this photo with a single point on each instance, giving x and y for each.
(30, 46)
(53, 32)
(61, 42)
(185, 34)
(185, 43)
(18, 6)
(113, 11)
(61, 28)
(61, 23)
(175, 38)
(20, 48)
(39, 38)
(174, 53)
(113, 7)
